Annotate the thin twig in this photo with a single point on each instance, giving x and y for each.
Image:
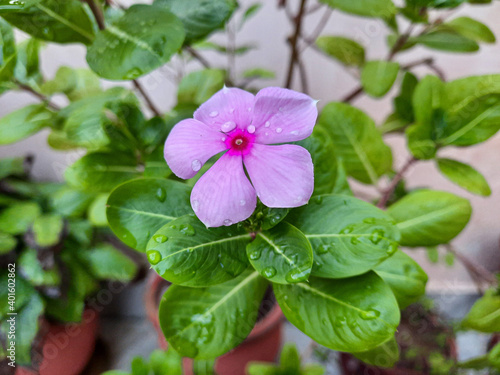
(293, 43)
(353, 95)
(318, 30)
(146, 97)
(96, 11)
(386, 195)
(197, 56)
(473, 268)
(40, 96)
(303, 76)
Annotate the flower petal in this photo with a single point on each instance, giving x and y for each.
(223, 195)
(231, 107)
(282, 175)
(189, 145)
(282, 115)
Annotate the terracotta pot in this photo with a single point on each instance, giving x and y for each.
(67, 348)
(262, 344)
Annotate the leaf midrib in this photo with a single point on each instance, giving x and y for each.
(278, 250)
(145, 213)
(64, 21)
(120, 34)
(427, 217)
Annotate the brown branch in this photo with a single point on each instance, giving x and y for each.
(387, 193)
(293, 43)
(197, 56)
(96, 11)
(353, 95)
(317, 31)
(40, 96)
(146, 97)
(475, 270)
(303, 76)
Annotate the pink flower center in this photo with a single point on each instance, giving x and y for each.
(239, 142)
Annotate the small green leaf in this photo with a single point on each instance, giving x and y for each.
(446, 40)
(18, 217)
(187, 253)
(69, 21)
(23, 123)
(433, 254)
(138, 208)
(197, 87)
(403, 102)
(169, 362)
(48, 229)
(97, 211)
(7, 243)
(418, 214)
(199, 17)
(282, 254)
(70, 202)
(74, 83)
(143, 39)
(404, 276)
(385, 355)
(378, 77)
(204, 323)
(107, 263)
(471, 29)
(27, 68)
(464, 175)
(8, 53)
(348, 236)
(357, 142)
(345, 50)
(11, 166)
(258, 73)
(353, 314)
(368, 8)
(290, 358)
(494, 356)
(250, 12)
(34, 272)
(484, 316)
(102, 171)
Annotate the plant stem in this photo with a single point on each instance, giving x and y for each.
(40, 96)
(293, 43)
(353, 95)
(475, 270)
(146, 97)
(96, 11)
(386, 195)
(317, 31)
(197, 56)
(303, 76)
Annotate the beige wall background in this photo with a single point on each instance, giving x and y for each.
(328, 81)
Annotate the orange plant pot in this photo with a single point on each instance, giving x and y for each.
(67, 348)
(262, 344)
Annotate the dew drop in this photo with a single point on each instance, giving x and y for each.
(269, 272)
(160, 238)
(154, 257)
(392, 249)
(318, 200)
(295, 132)
(347, 230)
(187, 230)
(249, 109)
(227, 222)
(295, 276)
(242, 202)
(195, 204)
(267, 124)
(228, 126)
(223, 139)
(213, 114)
(279, 130)
(251, 129)
(354, 240)
(370, 220)
(196, 165)
(370, 314)
(323, 249)
(161, 194)
(267, 133)
(173, 226)
(255, 255)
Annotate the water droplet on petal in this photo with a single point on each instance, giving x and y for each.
(228, 126)
(195, 204)
(227, 222)
(269, 272)
(196, 165)
(242, 202)
(267, 124)
(223, 139)
(160, 238)
(161, 194)
(251, 129)
(213, 114)
(249, 109)
(295, 132)
(267, 133)
(154, 257)
(279, 130)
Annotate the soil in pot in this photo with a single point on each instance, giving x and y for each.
(262, 344)
(66, 348)
(421, 335)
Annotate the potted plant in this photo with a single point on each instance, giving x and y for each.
(55, 257)
(240, 188)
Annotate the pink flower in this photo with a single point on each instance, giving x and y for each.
(246, 127)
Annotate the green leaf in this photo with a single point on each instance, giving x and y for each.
(27, 68)
(69, 21)
(290, 358)
(11, 166)
(464, 175)
(258, 73)
(345, 50)
(433, 254)
(169, 362)
(204, 323)
(419, 213)
(23, 123)
(31, 267)
(446, 40)
(199, 17)
(8, 53)
(313, 369)
(357, 142)
(143, 39)
(403, 102)
(404, 276)
(97, 211)
(262, 368)
(348, 236)
(471, 29)
(187, 253)
(74, 83)
(351, 315)
(204, 367)
(272, 216)
(494, 356)
(70, 202)
(18, 217)
(107, 263)
(250, 12)
(368, 8)
(385, 355)
(484, 316)
(48, 230)
(377, 77)
(7, 243)
(282, 254)
(197, 87)
(102, 171)
(139, 208)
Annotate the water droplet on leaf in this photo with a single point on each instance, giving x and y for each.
(269, 272)
(160, 238)
(161, 194)
(154, 257)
